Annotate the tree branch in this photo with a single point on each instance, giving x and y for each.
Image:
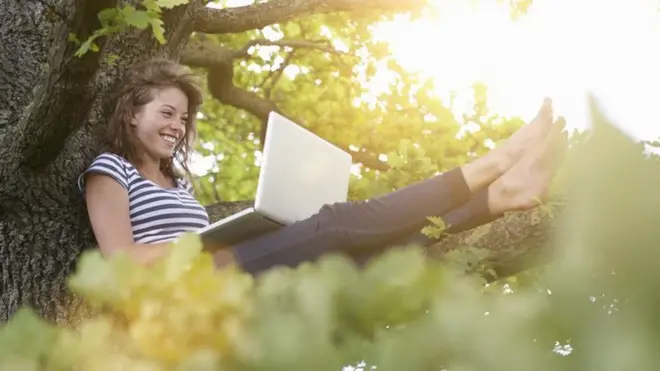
(222, 88)
(515, 242)
(274, 75)
(202, 53)
(257, 16)
(219, 61)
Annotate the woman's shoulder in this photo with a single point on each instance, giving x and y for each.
(111, 158)
(110, 164)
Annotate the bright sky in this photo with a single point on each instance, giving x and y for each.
(561, 48)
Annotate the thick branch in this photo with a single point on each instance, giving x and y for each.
(222, 88)
(219, 60)
(516, 242)
(207, 54)
(250, 17)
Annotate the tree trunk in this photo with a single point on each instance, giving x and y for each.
(52, 110)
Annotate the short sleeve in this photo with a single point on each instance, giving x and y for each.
(108, 164)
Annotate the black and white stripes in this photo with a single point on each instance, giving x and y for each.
(157, 214)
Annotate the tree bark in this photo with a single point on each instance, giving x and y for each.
(515, 242)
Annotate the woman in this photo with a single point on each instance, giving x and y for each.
(139, 203)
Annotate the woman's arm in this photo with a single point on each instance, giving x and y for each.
(108, 209)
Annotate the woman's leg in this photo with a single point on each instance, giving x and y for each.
(520, 188)
(344, 227)
(475, 212)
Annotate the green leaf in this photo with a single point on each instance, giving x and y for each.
(158, 30)
(136, 18)
(109, 16)
(152, 7)
(437, 228)
(73, 38)
(84, 47)
(111, 59)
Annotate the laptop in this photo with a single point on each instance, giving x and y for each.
(300, 173)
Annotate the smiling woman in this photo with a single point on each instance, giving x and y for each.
(138, 204)
(135, 195)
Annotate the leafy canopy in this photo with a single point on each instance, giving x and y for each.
(404, 121)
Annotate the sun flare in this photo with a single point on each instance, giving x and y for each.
(561, 48)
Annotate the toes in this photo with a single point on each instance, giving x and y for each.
(544, 111)
(558, 144)
(546, 107)
(544, 117)
(560, 123)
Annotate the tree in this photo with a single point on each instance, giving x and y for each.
(55, 99)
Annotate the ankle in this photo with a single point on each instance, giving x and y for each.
(507, 196)
(483, 171)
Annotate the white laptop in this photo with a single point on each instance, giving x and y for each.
(299, 174)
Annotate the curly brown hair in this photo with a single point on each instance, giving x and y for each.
(136, 90)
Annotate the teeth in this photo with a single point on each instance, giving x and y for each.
(168, 138)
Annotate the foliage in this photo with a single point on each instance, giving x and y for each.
(413, 129)
(593, 308)
(120, 18)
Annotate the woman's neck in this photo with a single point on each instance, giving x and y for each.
(150, 169)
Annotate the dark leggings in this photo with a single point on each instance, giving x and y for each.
(364, 229)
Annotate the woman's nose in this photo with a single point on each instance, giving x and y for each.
(177, 125)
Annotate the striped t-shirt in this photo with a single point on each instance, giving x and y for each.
(157, 214)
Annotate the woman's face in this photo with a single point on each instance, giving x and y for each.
(160, 125)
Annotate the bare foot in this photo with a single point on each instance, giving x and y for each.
(528, 181)
(528, 136)
(483, 171)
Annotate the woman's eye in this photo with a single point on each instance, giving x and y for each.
(167, 114)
